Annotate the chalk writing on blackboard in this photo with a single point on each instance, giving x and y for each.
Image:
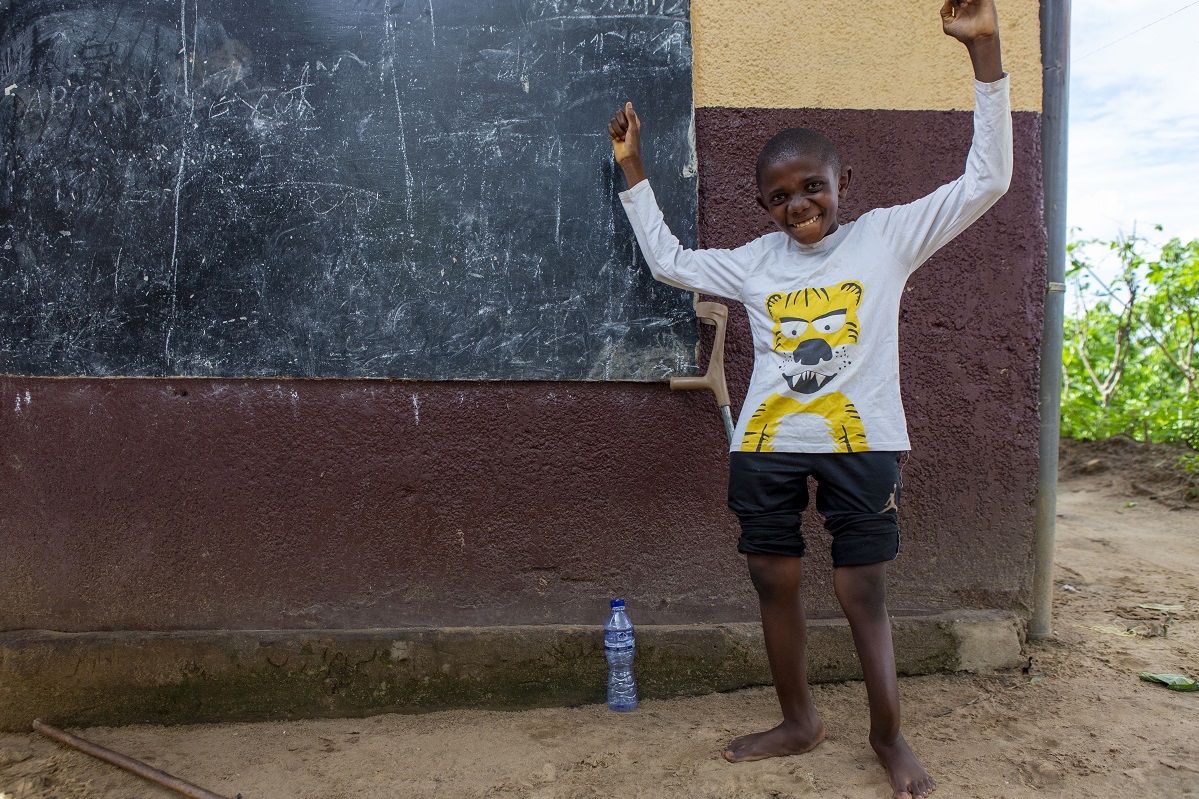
(337, 188)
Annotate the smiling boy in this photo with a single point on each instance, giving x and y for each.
(823, 402)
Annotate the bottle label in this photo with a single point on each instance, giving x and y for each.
(618, 639)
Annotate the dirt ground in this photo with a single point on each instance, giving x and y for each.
(1077, 722)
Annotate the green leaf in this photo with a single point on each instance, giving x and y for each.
(1131, 351)
(1175, 682)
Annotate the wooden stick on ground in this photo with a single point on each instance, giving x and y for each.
(129, 764)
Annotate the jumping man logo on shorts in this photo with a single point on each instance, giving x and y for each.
(891, 500)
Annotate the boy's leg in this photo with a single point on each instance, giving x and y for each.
(777, 579)
(859, 495)
(768, 492)
(861, 590)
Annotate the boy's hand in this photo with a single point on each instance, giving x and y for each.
(967, 20)
(625, 131)
(975, 23)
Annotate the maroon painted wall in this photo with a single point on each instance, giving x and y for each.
(970, 331)
(202, 504)
(244, 504)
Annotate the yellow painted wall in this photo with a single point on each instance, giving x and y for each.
(830, 54)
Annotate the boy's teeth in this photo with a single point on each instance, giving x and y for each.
(806, 222)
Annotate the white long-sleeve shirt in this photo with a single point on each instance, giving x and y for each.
(825, 317)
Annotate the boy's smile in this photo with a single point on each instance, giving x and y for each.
(801, 193)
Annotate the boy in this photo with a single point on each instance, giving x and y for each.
(823, 304)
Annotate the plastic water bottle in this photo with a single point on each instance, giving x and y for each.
(619, 648)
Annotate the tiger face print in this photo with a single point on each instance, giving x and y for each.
(816, 331)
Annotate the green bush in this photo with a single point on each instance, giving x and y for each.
(1131, 354)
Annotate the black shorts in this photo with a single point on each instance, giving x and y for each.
(856, 492)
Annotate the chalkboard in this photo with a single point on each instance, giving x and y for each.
(338, 188)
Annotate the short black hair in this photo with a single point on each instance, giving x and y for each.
(797, 141)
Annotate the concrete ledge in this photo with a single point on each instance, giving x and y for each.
(114, 678)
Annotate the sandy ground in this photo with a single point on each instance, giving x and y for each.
(1076, 723)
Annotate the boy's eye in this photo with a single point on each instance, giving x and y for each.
(817, 186)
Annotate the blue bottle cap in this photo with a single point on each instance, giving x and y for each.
(617, 603)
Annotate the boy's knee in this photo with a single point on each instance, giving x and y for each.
(861, 587)
(775, 576)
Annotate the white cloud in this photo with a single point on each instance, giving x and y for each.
(1134, 119)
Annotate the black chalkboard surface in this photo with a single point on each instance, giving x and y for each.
(337, 188)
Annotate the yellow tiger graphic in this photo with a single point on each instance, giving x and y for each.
(816, 332)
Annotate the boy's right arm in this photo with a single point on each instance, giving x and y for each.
(719, 272)
(625, 131)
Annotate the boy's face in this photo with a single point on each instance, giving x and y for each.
(801, 193)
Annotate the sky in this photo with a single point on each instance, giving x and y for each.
(1134, 119)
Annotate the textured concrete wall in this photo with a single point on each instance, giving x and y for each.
(889, 54)
(187, 677)
(206, 504)
(895, 94)
(970, 328)
(202, 504)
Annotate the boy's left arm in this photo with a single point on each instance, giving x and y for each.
(975, 23)
(917, 230)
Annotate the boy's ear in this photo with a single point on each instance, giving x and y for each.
(762, 202)
(843, 182)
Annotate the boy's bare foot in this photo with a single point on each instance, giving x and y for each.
(789, 738)
(908, 778)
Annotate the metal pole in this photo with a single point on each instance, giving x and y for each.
(1055, 61)
(123, 761)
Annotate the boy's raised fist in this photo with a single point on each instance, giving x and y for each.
(625, 131)
(967, 20)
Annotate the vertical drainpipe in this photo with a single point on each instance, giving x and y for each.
(1055, 62)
